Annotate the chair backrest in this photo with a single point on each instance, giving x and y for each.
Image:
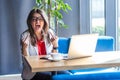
(104, 43)
(63, 44)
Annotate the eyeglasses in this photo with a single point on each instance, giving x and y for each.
(35, 19)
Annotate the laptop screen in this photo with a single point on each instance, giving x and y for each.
(82, 45)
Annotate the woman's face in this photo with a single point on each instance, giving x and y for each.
(37, 22)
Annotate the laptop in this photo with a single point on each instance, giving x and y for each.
(82, 46)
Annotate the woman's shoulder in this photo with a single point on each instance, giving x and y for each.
(25, 34)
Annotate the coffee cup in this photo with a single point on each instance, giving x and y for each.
(56, 56)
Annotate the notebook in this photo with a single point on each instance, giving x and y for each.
(82, 46)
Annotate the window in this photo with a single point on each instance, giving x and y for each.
(97, 17)
(100, 16)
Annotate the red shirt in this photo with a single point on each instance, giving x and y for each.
(41, 47)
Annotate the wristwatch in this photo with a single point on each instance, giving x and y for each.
(55, 48)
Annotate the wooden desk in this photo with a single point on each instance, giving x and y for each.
(98, 60)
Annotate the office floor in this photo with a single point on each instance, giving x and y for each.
(11, 77)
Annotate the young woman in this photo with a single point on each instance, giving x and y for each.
(38, 39)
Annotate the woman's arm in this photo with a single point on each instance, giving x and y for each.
(54, 41)
(23, 45)
(23, 48)
(55, 45)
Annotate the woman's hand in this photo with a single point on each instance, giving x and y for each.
(55, 44)
(54, 41)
